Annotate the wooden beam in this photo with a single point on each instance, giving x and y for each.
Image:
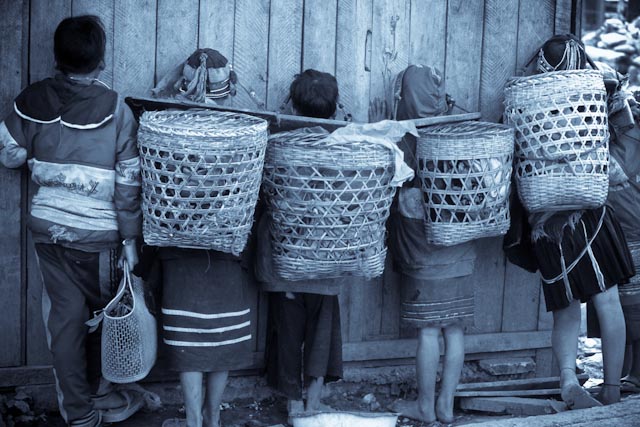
(406, 348)
(508, 393)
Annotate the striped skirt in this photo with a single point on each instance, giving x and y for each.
(437, 302)
(206, 319)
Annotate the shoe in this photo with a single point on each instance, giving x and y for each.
(133, 403)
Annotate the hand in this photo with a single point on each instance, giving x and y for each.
(130, 253)
(378, 110)
(290, 295)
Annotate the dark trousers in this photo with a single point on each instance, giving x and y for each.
(76, 284)
(304, 341)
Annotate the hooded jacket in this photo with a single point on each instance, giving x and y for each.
(79, 140)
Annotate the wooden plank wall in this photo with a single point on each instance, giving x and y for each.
(477, 44)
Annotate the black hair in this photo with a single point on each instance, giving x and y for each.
(314, 94)
(79, 44)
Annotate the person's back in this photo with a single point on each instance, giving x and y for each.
(79, 140)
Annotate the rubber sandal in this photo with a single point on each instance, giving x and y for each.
(134, 402)
(174, 422)
(577, 397)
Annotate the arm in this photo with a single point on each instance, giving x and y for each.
(127, 186)
(13, 141)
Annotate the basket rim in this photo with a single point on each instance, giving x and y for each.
(552, 75)
(252, 125)
(465, 129)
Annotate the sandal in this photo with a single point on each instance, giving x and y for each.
(174, 422)
(630, 384)
(134, 402)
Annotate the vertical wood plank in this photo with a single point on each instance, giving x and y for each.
(546, 364)
(489, 283)
(390, 44)
(390, 316)
(285, 49)
(250, 51)
(536, 21)
(177, 34)
(428, 33)
(44, 18)
(104, 10)
(563, 16)
(498, 58)
(352, 66)
(12, 46)
(579, 4)
(464, 52)
(319, 38)
(216, 28)
(521, 300)
(134, 46)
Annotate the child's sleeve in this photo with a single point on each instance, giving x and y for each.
(128, 181)
(13, 142)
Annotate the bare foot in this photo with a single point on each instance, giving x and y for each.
(577, 397)
(411, 409)
(444, 410)
(609, 394)
(318, 407)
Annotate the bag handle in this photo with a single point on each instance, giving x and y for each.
(126, 283)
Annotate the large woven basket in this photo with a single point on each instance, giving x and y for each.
(201, 175)
(465, 172)
(562, 137)
(328, 205)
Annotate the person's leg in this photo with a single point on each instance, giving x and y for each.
(216, 382)
(612, 329)
(191, 383)
(314, 393)
(452, 368)
(427, 358)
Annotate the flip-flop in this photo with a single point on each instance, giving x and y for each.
(629, 385)
(134, 402)
(174, 422)
(577, 397)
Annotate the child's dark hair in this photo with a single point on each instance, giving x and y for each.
(314, 94)
(79, 43)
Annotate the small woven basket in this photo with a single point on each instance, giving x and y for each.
(201, 175)
(465, 172)
(562, 137)
(328, 205)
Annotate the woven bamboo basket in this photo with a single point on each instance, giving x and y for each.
(328, 206)
(562, 137)
(465, 172)
(201, 175)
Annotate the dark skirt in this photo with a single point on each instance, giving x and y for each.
(206, 318)
(304, 337)
(609, 249)
(437, 303)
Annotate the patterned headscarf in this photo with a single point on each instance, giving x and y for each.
(207, 75)
(562, 52)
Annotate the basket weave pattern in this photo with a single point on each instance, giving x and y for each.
(465, 173)
(328, 206)
(562, 136)
(201, 174)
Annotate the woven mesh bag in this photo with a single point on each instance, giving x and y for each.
(328, 205)
(562, 137)
(465, 174)
(201, 174)
(129, 335)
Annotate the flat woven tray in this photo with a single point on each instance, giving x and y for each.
(328, 205)
(465, 172)
(562, 136)
(201, 172)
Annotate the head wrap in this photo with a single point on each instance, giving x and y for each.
(419, 92)
(562, 52)
(207, 74)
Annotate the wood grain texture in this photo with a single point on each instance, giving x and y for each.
(536, 21)
(319, 39)
(428, 33)
(104, 10)
(45, 16)
(352, 67)
(177, 34)
(563, 17)
(489, 283)
(390, 310)
(134, 46)
(521, 300)
(498, 56)
(285, 49)
(11, 251)
(390, 44)
(216, 26)
(464, 52)
(250, 50)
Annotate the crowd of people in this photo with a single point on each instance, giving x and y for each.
(79, 141)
